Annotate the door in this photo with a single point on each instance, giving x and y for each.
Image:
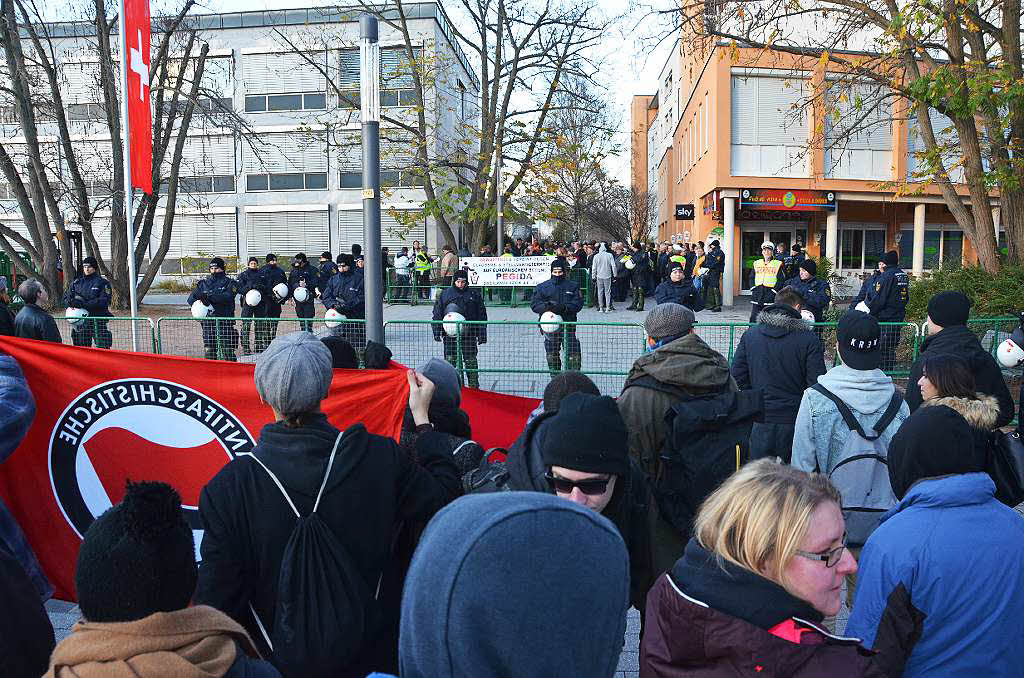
(781, 235)
(750, 251)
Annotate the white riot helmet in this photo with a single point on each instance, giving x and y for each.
(807, 315)
(630, 264)
(253, 298)
(280, 291)
(452, 322)
(76, 316)
(300, 294)
(201, 310)
(550, 322)
(333, 317)
(1010, 354)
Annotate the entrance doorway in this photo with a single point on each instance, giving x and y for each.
(782, 235)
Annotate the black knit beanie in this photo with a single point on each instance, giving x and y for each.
(587, 434)
(810, 266)
(137, 558)
(564, 384)
(949, 308)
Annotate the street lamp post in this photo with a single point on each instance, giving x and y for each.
(369, 61)
(501, 206)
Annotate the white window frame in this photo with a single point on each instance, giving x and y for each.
(942, 229)
(863, 227)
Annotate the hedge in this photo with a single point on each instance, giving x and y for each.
(992, 295)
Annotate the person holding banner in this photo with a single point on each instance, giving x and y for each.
(303, 276)
(91, 292)
(266, 330)
(252, 280)
(218, 290)
(560, 296)
(459, 298)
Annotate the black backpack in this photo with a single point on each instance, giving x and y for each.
(707, 439)
(323, 602)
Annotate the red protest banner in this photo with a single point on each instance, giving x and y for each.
(140, 120)
(103, 417)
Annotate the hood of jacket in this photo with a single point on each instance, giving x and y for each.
(865, 391)
(955, 340)
(980, 412)
(687, 363)
(524, 463)
(298, 456)
(960, 489)
(777, 320)
(474, 588)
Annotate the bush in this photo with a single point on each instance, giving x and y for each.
(992, 295)
(172, 286)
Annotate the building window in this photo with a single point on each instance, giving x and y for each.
(397, 84)
(945, 246)
(214, 183)
(399, 97)
(707, 127)
(290, 181)
(97, 188)
(400, 179)
(860, 248)
(86, 112)
(269, 103)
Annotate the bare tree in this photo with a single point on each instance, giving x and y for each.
(55, 183)
(918, 62)
(620, 214)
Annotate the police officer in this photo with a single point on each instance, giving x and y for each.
(273, 275)
(303, 275)
(218, 290)
(327, 270)
(868, 285)
(638, 277)
(559, 295)
(344, 293)
(714, 261)
(887, 301)
(791, 264)
(767, 280)
(421, 268)
(816, 292)
(91, 292)
(678, 289)
(459, 298)
(252, 278)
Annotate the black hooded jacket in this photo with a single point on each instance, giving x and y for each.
(958, 340)
(373, 487)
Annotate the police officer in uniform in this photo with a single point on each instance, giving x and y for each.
(273, 275)
(304, 275)
(218, 290)
(327, 271)
(421, 268)
(678, 289)
(816, 292)
(344, 293)
(767, 280)
(887, 301)
(91, 292)
(459, 298)
(791, 264)
(252, 278)
(869, 284)
(562, 296)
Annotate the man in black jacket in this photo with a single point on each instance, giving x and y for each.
(887, 301)
(252, 278)
(948, 334)
(327, 269)
(372, 488)
(780, 356)
(273, 275)
(814, 291)
(459, 298)
(91, 292)
(218, 290)
(562, 297)
(305, 276)
(714, 261)
(678, 289)
(344, 293)
(32, 322)
(6, 317)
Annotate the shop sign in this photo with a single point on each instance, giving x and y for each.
(781, 199)
(684, 212)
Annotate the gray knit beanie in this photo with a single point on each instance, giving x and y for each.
(294, 373)
(669, 320)
(447, 390)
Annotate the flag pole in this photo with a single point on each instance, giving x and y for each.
(126, 136)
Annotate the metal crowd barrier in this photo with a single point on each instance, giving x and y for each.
(115, 333)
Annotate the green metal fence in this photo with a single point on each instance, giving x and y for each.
(409, 292)
(115, 333)
(518, 357)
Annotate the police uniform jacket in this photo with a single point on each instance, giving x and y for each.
(307, 273)
(219, 291)
(866, 288)
(682, 292)
(816, 293)
(559, 295)
(470, 305)
(273, 276)
(791, 265)
(344, 292)
(714, 261)
(253, 280)
(91, 292)
(328, 269)
(888, 300)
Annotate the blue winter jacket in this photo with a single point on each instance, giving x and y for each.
(941, 583)
(559, 295)
(345, 293)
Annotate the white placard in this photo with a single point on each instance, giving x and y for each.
(507, 271)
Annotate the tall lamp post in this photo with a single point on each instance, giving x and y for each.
(501, 206)
(369, 62)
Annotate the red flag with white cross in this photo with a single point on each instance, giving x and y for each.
(140, 123)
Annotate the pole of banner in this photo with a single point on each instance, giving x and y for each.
(369, 52)
(126, 135)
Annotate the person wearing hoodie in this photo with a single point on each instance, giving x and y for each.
(678, 289)
(218, 291)
(941, 582)
(525, 584)
(602, 271)
(373, 488)
(779, 356)
(947, 332)
(135, 576)
(562, 453)
(752, 589)
(561, 296)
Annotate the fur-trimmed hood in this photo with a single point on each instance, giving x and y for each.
(783, 317)
(979, 413)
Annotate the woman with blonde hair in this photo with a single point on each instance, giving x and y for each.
(765, 566)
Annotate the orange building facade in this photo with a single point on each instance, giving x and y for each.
(728, 134)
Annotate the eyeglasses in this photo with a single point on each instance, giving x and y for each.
(831, 557)
(591, 488)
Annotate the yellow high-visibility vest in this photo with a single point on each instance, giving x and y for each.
(766, 273)
(422, 262)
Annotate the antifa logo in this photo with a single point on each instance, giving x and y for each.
(139, 429)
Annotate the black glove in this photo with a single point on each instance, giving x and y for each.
(204, 297)
(377, 357)
(482, 339)
(559, 309)
(77, 301)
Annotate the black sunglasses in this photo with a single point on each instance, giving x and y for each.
(591, 488)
